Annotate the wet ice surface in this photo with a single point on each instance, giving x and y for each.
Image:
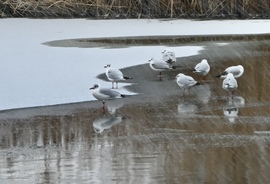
(159, 136)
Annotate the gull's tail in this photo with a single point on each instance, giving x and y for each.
(198, 83)
(220, 75)
(177, 66)
(125, 77)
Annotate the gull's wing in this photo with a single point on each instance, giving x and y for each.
(160, 65)
(110, 93)
(234, 70)
(187, 80)
(114, 74)
(201, 67)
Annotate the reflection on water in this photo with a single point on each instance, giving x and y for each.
(113, 105)
(187, 108)
(231, 109)
(205, 93)
(103, 123)
(169, 137)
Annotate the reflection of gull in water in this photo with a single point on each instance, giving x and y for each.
(205, 93)
(186, 108)
(112, 106)
(231, 112)
(238, 101)
(103, 123)
(232, 108)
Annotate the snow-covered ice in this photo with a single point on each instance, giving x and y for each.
(33, 74)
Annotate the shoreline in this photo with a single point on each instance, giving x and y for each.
(148, 79)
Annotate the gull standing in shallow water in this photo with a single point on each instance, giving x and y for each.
(202, 68)
(168, 56)
(237, 71)
(115, 75)
(105, 94)
(185, 81)
(230, 83)
(159, 65)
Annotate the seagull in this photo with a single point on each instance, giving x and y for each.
(159, 65)
(115, 75)
(105, 94)
(168, 56)
(185, 81)
(237, 71)
(229, 83)
(202, 68)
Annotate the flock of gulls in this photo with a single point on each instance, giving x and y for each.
(167, 62)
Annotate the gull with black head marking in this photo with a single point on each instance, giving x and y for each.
(105, 94)
(115, 75)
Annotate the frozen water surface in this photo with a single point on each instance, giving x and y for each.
(159, 135)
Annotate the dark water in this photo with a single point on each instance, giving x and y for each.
(159, 136)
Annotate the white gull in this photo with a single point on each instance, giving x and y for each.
(160, 65)
(115, 75)
(237, 71)
(202, 68)
(185, 81)
(229, 83)
(168, 56)
(105, 94)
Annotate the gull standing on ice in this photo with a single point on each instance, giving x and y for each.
(115, 75)
(168, 56)
(159, 65)
(237, 71)
(229, 83)
(202, 68)
(105, 94)
(185, 81)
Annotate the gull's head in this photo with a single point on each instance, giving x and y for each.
(204, 61)
(150, 60)
(94, 87)
(240, 66)
(107, 66)
(97, 130)
(179, 75)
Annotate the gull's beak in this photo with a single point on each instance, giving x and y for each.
(91, 88)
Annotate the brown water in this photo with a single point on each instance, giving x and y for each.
(160, 136)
